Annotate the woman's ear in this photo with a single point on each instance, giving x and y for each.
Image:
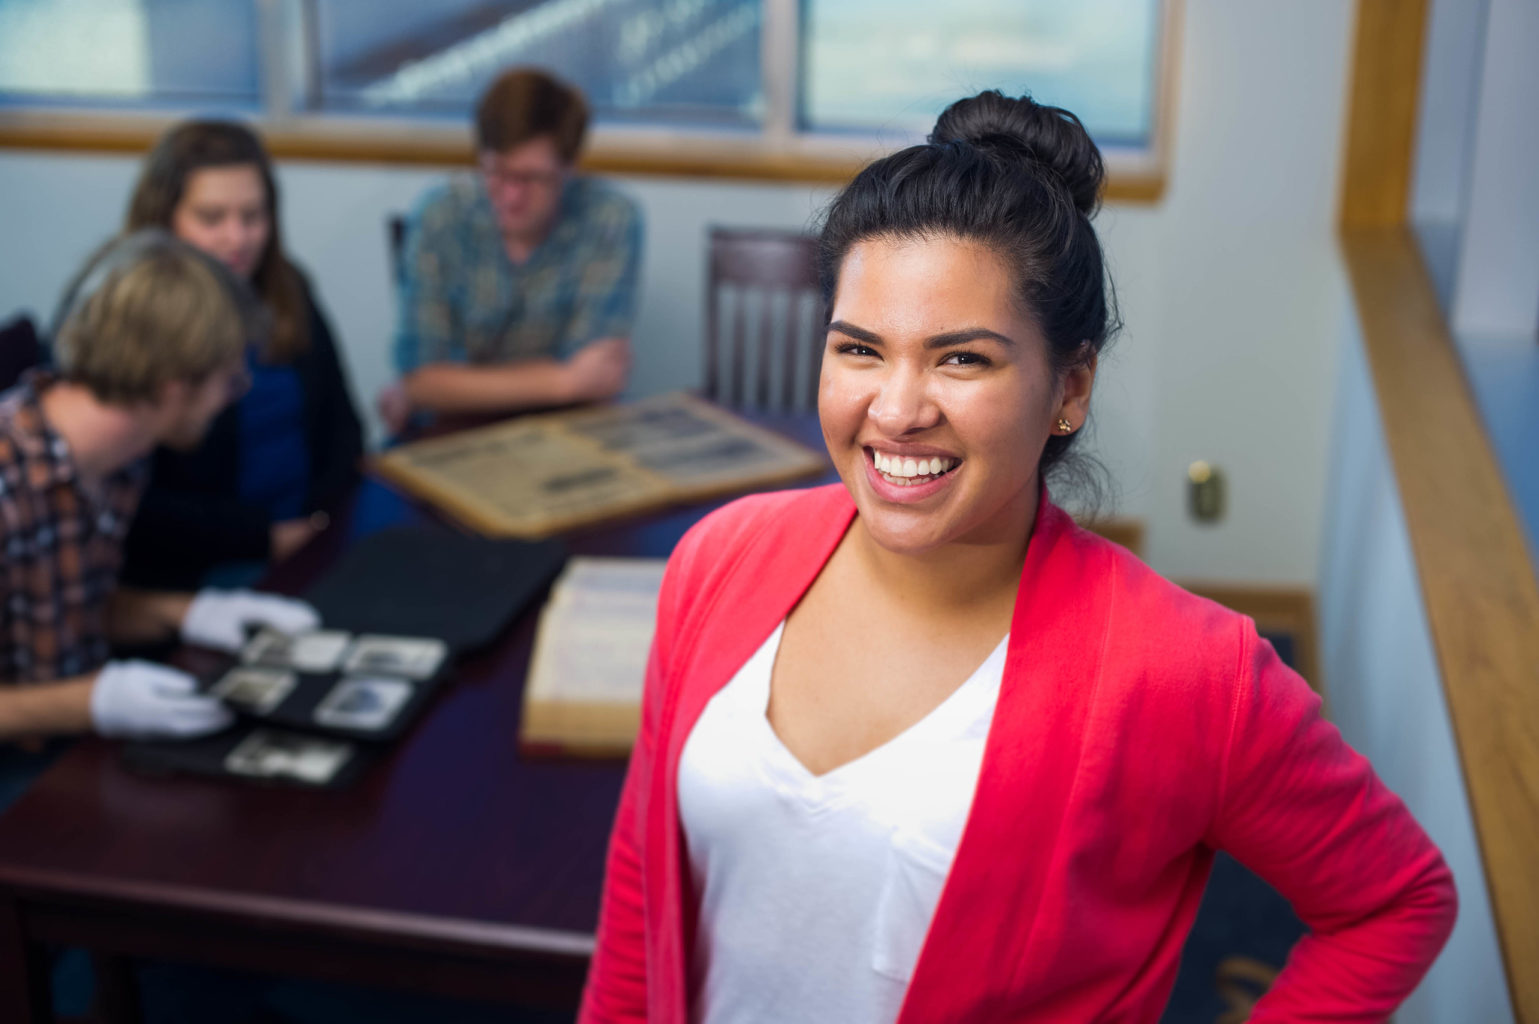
(1074, 404)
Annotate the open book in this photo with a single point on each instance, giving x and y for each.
(583, 695)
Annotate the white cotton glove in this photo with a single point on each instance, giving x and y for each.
(140, 700)
(220, 618)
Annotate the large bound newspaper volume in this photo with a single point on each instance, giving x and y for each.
(538, 475)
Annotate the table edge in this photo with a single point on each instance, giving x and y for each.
(390, 927)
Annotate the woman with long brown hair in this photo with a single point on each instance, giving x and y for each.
(273, 463)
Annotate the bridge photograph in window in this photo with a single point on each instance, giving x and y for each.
(114, 53)
(890, 66)
(788, 90)
(672, 62)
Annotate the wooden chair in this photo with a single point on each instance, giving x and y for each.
(774, 368)
(20, 350)
(395, 229)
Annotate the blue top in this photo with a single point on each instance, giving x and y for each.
(274, 458)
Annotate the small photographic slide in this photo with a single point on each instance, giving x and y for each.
(269, 754)
(313, 653)
(407, 657)
(363, 703)
(253, 690)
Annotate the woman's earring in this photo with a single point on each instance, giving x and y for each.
(1065, 426)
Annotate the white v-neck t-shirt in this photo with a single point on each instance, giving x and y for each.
(816, 891)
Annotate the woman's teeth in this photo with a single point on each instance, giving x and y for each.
(905, 471)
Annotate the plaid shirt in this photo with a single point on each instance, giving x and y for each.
(463, 300)
(62, 545)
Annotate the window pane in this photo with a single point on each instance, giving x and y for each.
(893, 65)
(636, 60)
(129, 52)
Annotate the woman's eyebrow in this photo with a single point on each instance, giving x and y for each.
(946, 340)
(860, 334)
(966, 335)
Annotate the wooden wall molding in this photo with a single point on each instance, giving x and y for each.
(1477, 577)
(1276, 609)
(1381, 118)
(1127, 532)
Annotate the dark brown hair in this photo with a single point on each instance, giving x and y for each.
(194, 146)
(524, 104)
(1023, 179)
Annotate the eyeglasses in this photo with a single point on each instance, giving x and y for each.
(499, 178)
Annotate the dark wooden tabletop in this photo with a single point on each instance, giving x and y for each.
(453, 837)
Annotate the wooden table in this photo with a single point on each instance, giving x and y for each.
(455, 866)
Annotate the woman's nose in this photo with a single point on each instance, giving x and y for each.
(903, 404)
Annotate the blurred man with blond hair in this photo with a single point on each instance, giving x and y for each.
(150, 346)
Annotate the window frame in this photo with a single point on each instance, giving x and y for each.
(779, 151)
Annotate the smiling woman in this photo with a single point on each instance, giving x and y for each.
(933, 751)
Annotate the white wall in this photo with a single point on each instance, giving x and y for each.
(1385, 692)
(1229, 286)
(1246, 286)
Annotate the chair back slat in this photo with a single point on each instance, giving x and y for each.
(815, 320)
(761, 368)
(20, 350)
(395, 230)
(767, 336)
(736, 393)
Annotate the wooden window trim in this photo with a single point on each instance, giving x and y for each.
(1137, 178)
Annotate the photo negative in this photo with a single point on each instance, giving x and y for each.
(314, 653)
(269, 754)
(363, 703)
(407, 657)
(253, 689)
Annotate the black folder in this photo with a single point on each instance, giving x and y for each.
(411, 581)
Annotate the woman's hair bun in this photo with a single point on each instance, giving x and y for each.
(1050, 137)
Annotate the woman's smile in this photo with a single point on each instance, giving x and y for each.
(909, 477)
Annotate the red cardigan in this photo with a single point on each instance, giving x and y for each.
(1139, 728)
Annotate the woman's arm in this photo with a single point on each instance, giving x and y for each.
(617, 978)
(1307, 813)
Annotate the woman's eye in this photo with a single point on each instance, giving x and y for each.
(965, 359)
(854, 348)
